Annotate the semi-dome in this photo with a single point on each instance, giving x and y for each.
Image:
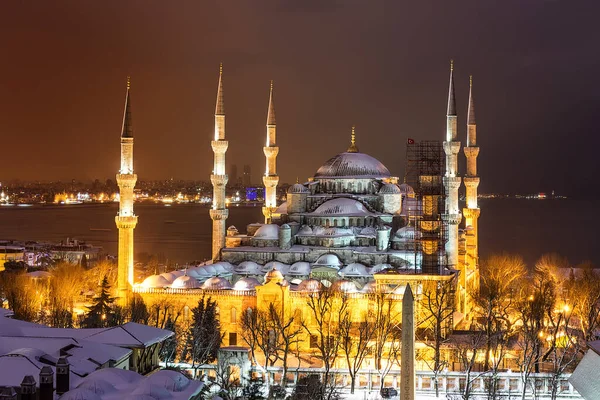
(155, 281)
(297, 188)
(299, 268)
(345, 286)
(352, 165)
(309, 285)
(305, 231)
(267, 232)
(216, 283)
(342, 206)
(328, 260)
(389, 188)
(185, 282)
(248, 268)
(246, 284)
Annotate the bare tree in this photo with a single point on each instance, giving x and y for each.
(326, 308)
(467, 348)
(259, 334)
(436, 314)
(287, 334)
(386, 335)
(355, 338)
(584, 290)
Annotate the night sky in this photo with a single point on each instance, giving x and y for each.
(381, 65)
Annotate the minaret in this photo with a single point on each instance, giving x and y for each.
(126, 220)
(219, 212)
(471, 212)
(452, 215)
(271, 179)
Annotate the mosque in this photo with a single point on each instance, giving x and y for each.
(352, 226)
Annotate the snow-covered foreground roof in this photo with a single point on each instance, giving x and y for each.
(118, 384)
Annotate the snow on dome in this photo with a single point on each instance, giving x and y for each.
(224, 264)
(216, 283)
(80, 394)
(368, 231)
(370, 287)
(310, 285)
(115, 375)
(342, 206)
(198, 272)
(297, 188)
(337, 232)
(282, 208)
(156, 281)
(246, 284)
(273, 275)
(281, 267)
(354, 269)
(406, 189)
(299, 268)
(169, 277)
(185, 282)
(349, 165)
(345, 286)
(97, 385)
(267, 232)
(389, 188)
(248, 268)
(329, 260)
(407, 233)
(171, 380)
(148, 388)
(305, 231)
(380, 267)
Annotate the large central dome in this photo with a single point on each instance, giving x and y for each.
(353, 165)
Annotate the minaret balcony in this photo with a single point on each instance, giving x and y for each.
(219, 146)
(451, 147)
(471, 181)
(271, 151)
(452, 219)
(452, 182)
(126, 222)
(219, 180)
(126, 180)
(471, 213)
(471, 151)
(270, 180)
(218, 215)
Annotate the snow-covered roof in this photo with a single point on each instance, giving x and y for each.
(185, 282)
(156, 281)
(216, 283)
(299, 268)
(279, 266)
(352, 165)
(282, 208)
(267, 232)
(342, 206)
(246, 283)
(345, 286)
(248, 268)
(354, 269)
(309, 285)
(329, 260)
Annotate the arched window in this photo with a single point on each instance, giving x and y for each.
(233, 316)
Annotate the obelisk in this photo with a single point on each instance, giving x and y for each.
(407, 358)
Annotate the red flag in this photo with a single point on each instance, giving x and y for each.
(410, 141)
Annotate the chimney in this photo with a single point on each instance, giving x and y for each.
(28, 388)
(62, 376)
(46, 383)
(8, 393)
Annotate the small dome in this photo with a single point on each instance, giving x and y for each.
(155, 281)
(407, 233)
(267, 232)
(248, 268)
(299, 268)
(354, 269)
(185, 282)
(305, 231)
(216, 283)
(328, 260)
(345, 286)
(406, 189)
(279, 266)
(350, 165)
(232, 230)
(310, 285)
(273, 275)
(173, 381)
(390, 188)
(297, 188)
(146, 387)
(198, 272)
(380, 267)
(80, 394)
(244, 284)
(97, 385)
(370, 287)
(285, 226)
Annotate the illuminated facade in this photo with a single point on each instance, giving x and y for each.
(126, 220)
(219, 212)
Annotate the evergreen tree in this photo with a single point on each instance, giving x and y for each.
(204, 334)
(100, 314)
(84, 261)
(169, 348)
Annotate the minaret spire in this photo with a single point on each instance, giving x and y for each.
(218, 211)
(471, 112)
(452, 215)
(126, 220)
(353, 148)
(270, 179)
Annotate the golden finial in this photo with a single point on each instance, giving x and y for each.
(451, 65)
(297, 180)
(470, 80)
(271, 85)
(221, 69)
(353, 148)
(128, 82)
